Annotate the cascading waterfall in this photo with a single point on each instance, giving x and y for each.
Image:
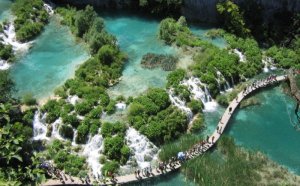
(4, 65)
(144, 151)
(49, 8)
(55, 129)
(226, 84)
(73, 99)
(268, 64)
(39, 128)
(92, 151)
(180, 104)
(9, 38)
(242, 57)
(194, 85)
(121, 106)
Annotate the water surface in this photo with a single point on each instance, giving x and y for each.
(51, 61)
(5, 9)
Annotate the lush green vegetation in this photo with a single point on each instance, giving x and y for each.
(6, 52)
(233, 18)
(31, 17)
(66, 158)
(184, 143)
(229, 165)
(286, 57)
(18, 162)
(153, 115)
(213, 65)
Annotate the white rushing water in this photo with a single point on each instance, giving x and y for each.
(39, 127)
(222, 81)
(4, 65)
(49, 8)
(200, 92)
(144, 151)
(121, 106)
(9, 38)
(177, 102)
(268, 64)
(92, 150)
(73, 99)
(242, 57)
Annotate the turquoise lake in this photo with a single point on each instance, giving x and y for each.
(51, 61)
(4, 9)
(55, 55)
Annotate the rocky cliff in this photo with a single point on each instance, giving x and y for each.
(199, 10)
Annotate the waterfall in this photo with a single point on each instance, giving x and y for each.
(4, 65)
(180, 104)
(240, 55)
(92, 152)
(268, 64)
(73, 99)
(39, 127)
(74, 137)
(221, 80)
(9, 38)
(121, 106)
(49, 8)
(194, 85)
(55, 129)
(144, 151)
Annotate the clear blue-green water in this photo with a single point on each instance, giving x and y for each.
(269, 128)
(5, 9)
(52, 60)
(137, 37)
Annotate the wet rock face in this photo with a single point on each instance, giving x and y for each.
(166, 62)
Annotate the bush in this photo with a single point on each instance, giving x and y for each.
(66, 132)
(110, 129)
(28, 99)
(222, 100)
(30, 18)
(113, 146)
(102, 159)
(83, 108)
(110, 167)
(70, 119)
(82, 134)
(195, 106)
(198, 124)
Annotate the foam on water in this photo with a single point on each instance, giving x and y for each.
(39, 127)
(202, 94)
(121, 106)
(242, 57)
(141, 147)
(177, 102)
(4, 65)
(92, 151)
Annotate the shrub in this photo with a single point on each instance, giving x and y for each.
(110, 167)
(113, 146)
(82, 134)
(83, 108)
(70, 119)
(66, 132)
(195, 106)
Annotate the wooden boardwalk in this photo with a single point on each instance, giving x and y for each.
(211, 140)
